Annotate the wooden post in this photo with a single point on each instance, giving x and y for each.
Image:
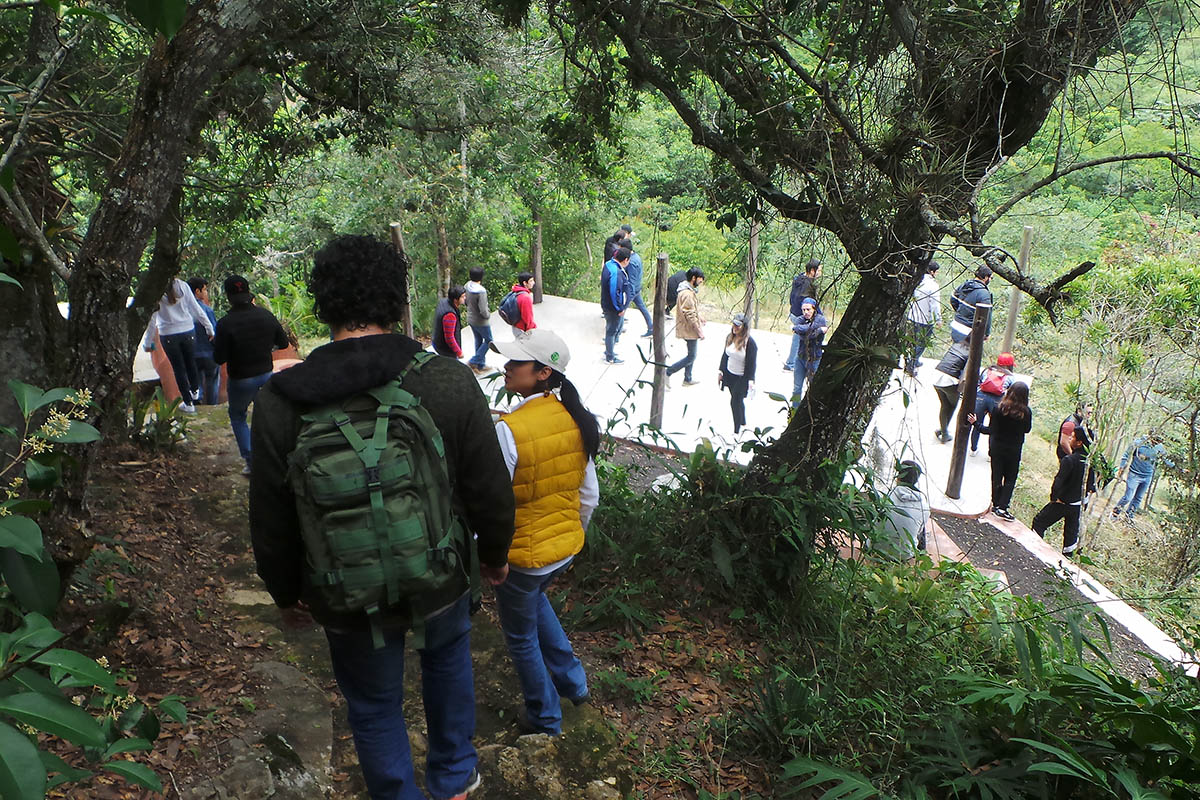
(1014, 303)
(406, 323)
(535, 257)
(752, 271)
(970, 384)
(658, 391)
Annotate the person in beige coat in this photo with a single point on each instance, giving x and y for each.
(689, 325)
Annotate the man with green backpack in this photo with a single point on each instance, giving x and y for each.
(378, 499)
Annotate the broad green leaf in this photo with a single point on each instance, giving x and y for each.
(1129, 780)
(21, 774)
(83, 670)
(103, 16)
(35, 633)
(66, 773)
(23, 535)
(10, 279)
(56, 716)
(54, 5)
(31, 398)
(77, 433)
(43, 471)
(173, 707)
(28, 680)
(148, 726)
(170, 18)
(27, 506)
(126, 746)
(135, 773)
(33, 583)
(131, 716)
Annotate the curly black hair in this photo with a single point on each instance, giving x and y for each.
(358, 281)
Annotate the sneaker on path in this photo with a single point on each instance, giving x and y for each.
(246, 468)
(614, 360)
(473, 783)
(187, 408)
(691, 383)
(648, 334)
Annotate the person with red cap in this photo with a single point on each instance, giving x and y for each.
(993, 383)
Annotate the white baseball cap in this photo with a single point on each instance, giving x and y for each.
(539, 344)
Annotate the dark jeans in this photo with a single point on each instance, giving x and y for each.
(1006, 463)
(242, 392)
(372, 682)
(612, 325)
(210, 380)
(686, 362)
(180, 351)
(483, 338)
(920, 335)
(737, 386)
(985, 404)
(948, 396)
(641, 306)
(1052, 513)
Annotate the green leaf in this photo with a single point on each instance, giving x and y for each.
(33, 583)
(21, 774)
(83, 670)
(56, 716)
(135, 773)
(23, 535)
(31, 398)
(34, 682)
(161, 16)
(77, 433)
(126, 746)
(66, 773)
(148, 726)
(27, 506)
(173, 707)
(850, 785)
(722, 559)
(1129, 780)
(103, 16)
(53, 5)
(10, 279)
(34, 633)
(8, 177)
(131, 716)
(43, 471)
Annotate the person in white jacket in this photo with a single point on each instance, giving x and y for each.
(923, 314)
(175, 321)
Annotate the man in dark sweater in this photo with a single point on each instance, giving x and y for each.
(1067, 493)
(366, 353)
(447, 325)
(245, 339)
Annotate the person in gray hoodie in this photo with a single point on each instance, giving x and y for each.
(479, 317)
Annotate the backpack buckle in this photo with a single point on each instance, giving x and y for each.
(372, 474)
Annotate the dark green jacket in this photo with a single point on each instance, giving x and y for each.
(448, 390)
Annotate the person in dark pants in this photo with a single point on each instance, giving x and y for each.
(1067, 493)
(635, 271)
(447, 325)
(614, 299)
(690, 325)
(479, 317)
(245, 338)
(1011, 420)
(810, 331)
(175, 321)
(738, 363)
(966, 299)
(209, 371)
(947, 382)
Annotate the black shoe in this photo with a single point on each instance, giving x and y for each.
(614, 360)
(786, 368)
(582, 700)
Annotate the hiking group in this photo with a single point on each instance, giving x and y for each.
(383, 496)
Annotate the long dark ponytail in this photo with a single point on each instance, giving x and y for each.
(589, 428)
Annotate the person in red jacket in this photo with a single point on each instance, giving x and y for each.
(524, 289)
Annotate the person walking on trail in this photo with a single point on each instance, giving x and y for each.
(923, 314)
(613, 242)
(811, 330)
(523, 289)
(311, 510)
(689, 325)
(549, 441)
(479, 317)
(993, 383)
(947, 382)
(447, 325)
(803, 285)
(636, 272)
(1010, 421)
(208, 371)
(1142, 458)
(906, 526)
(1081, 418)
(614, 299)
(175, 321)
(964, 301)
(738, 362)
(673, 284)
(1067, 494)
(245, 339)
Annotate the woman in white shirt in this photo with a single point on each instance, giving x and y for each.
(175, 321)
(737, 368)
(549, 441)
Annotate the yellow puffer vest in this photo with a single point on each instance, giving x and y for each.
(550, 468)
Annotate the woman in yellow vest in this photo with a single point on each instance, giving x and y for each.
(549, 441)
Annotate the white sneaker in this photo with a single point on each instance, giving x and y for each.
(187, 408)
(246, 468)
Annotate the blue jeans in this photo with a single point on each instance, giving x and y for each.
(641, 306)
(686, 362)
(179, 349)
(210, 379)
(793, 320)
(802, 371)
(1135, 489)
(985, 404)
(612, 328)
(541, 654)
(242, 392)
(372, 682)
(483, 338)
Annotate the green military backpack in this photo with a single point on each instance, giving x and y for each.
(373, 497)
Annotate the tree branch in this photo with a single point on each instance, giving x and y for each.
(20, 212)
(36, 91)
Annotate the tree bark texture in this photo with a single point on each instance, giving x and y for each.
(445, 266)
(535, 256)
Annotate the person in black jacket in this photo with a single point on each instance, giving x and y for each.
(966, 298)
(673, 289)
(245, 339)
(1011, 420)
(802, 286)
(1067, 493)
(947, 382)
(357, 283)
(738, 363)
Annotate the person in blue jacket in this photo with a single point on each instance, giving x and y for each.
(1142, 458)
(636, 271)
(210, 371)
(964, 301)
(614, 299)
(811, 329)
(802, 286)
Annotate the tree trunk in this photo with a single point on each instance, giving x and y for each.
(443, 256)
(535, 256)
(164, 265)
